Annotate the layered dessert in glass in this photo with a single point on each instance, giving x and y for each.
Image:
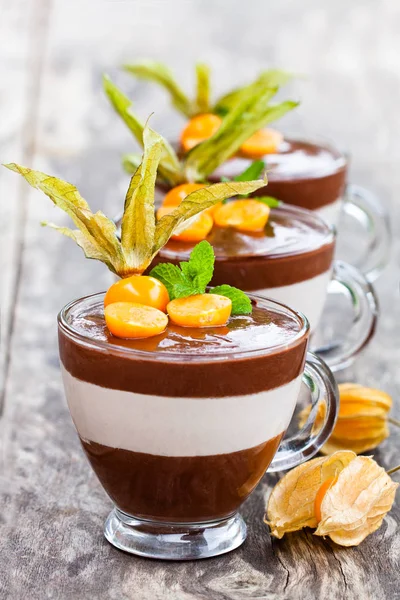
(223, 140)
(179, 428)
(291, 260)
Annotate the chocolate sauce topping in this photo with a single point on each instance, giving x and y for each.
(301, 173)
(294, 246)
(184, 362)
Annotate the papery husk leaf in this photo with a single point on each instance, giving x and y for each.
(354, 393)
(202, 88)
(138, 222)
(369, 443)
(170, 167)
(122, 105)
(131, 162)
(90, 250)
(157, 72)
(362, 422)
(357, 503)
(248, 116)
(198, 201)
(99, 231)
(291, 503)
(272, 78)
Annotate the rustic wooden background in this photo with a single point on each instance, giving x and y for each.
(53, 116)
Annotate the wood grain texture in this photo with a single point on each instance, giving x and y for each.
(53, 116)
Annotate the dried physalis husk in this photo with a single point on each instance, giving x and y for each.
(344, 496)
(356, 504)
(291, 504)
(362, 422)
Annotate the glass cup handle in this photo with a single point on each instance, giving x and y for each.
(364, 206)
(308, 440)
(351, 282)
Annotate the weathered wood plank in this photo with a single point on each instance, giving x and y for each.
(53, 507)
(18, 82)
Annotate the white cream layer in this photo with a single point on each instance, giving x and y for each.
(306, 296)
(331, 212)
(178, 426)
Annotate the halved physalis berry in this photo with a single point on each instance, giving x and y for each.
(197, 230)
(264, 141)
(132, 320)
(328, 483)
(179, 193)
(202, 310)
(198, 129)
(140, 289)
(245, 215)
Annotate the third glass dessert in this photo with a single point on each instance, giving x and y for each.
(222, 138)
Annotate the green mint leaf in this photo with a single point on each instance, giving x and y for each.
(171, 276)
(253, 171)
(241, 304)
(268, 200)
(185, 289)
(200, 267)
(190, 277)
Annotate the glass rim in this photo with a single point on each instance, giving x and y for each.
(166, 356)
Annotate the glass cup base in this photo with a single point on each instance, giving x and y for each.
(174, 541)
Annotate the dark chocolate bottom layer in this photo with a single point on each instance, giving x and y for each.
(179, 489)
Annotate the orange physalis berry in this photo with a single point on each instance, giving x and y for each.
(245, 215)
(202, 310)
(140, 289)
(328, 483)
(198, 229)
(179, 193)
(264, 141)
(131, 320)
(198, 129)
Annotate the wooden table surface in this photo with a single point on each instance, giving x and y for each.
(53, 116)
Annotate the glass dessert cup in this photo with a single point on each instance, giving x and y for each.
(292, 262)
(179, 440)
(313, 175)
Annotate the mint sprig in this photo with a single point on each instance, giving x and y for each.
(241, 303)
(253, 171)
(268, 200)
(192, 277)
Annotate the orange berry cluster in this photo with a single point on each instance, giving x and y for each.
(202, 127)
(136, 307)
(244, 215)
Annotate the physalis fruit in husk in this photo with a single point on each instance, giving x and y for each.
(250, 112)
(141, 235)
(362, 422)
(343, 496)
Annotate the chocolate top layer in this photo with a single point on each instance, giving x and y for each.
(294, 246)
(301, 173)
(250, 354)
